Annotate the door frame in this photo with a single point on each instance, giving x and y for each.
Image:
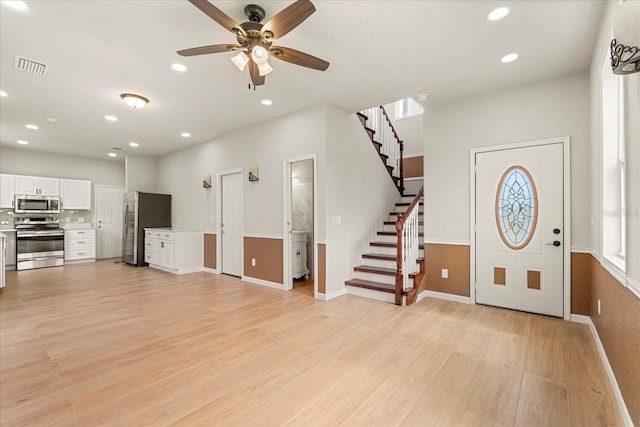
(286, 213)
(566, 220)
(94, 205)
(219, 176)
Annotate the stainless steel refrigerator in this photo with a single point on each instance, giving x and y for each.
(142, 210)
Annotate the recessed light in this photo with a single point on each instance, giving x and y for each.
(266, 102)
(134, 144)
(509, 58)
(497, 14)
(179, 67)
(22, 142)
(3, 93)
(32, 127)
(16, 4)
(51, 119)
(423, 96)
(134, 101)
(111, 118)
(113, 155)
(185, 134)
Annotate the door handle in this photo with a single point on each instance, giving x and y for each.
(555, 243)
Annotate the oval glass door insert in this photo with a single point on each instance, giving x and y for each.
(516, 207)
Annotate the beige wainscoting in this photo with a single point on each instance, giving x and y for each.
(322, 268)
(269, 258)
(209, 260)
(413, 167)
(618, 326)
(454, 258)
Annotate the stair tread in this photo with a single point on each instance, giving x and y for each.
(377, 270)
(407, 203)
(390, 244)
(396, 213)
(393, 223)
(393, 233)
(370, 284)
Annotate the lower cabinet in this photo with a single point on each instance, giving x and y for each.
(80, 245)
(176, 252)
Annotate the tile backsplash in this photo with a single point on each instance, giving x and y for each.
(66, 217)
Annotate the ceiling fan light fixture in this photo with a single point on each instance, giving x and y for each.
(133, 100)
(259, 55)
(264, 69)
(240, 60)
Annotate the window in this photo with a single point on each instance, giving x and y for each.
(613, 168)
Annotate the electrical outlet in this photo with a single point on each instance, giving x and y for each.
(253, 262)
(598, 305)
(445, 273)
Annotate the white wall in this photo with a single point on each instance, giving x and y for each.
(267, 144)
(359, 191)
(141, 173)
(553, 108)
(28, 162)
(409, 130)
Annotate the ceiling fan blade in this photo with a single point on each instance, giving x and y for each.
(219, 16)
(289, 18)
(254, 72)
(299, 58)
(214, 48)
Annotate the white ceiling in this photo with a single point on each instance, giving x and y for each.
(379, 51)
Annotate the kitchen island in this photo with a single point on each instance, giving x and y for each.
(173, 251)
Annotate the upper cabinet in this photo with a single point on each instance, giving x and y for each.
(75, 194)
(7, 190)
(34, 185)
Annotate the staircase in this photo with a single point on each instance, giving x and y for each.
(393, 269)
(386, 142)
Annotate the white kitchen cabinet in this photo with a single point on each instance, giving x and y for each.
(75, 194)
(299, 255)
(176, 252)
(7, 190)
(35, 185)
(80, 245)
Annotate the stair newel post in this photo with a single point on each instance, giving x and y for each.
(399, 285)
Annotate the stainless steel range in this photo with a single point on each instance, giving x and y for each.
(39, 242)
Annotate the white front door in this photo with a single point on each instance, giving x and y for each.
(519, 229)
(231, 224)
(109, 205)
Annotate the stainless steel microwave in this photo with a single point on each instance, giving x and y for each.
(26, 204)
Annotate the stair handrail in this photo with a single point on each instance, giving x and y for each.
(391, 145)
(407, 226)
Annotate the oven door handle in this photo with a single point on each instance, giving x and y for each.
(40, 234)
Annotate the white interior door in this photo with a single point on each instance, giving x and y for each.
(231, 224)
(109, 205)
(519, 229)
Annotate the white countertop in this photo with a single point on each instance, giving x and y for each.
(7, 230)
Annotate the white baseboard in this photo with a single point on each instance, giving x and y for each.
(332, 295)
(444, 296)
(177, 272)
(263, 282)
(577, 318)
(211, 270)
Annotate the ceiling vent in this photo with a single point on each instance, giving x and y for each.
(31, 66)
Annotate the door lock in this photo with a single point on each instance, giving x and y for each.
(556, 231)
(555, 243)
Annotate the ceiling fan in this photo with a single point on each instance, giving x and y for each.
(255, 40)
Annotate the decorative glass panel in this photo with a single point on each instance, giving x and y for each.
(516, 207)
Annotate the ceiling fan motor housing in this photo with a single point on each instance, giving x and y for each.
(254, 12)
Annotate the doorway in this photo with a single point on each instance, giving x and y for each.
(300, 231)
(230, 205)
(109, 210)
(520, 211)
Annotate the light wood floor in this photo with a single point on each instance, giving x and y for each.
(108, 344)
